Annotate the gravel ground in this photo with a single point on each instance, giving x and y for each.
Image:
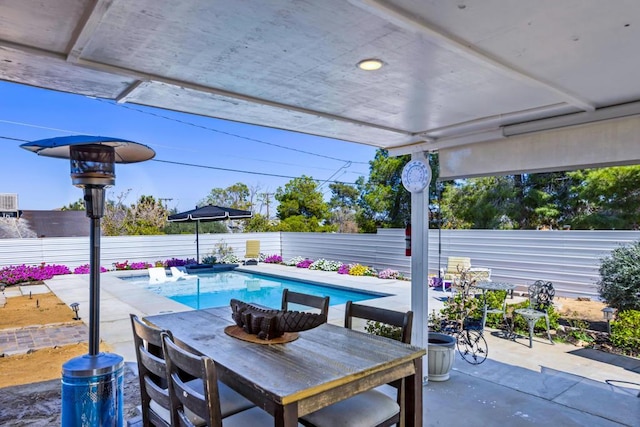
(39, 404)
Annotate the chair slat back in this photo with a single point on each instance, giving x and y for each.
(321, 303)
(252, 249)
(541, 295)
(182, 366)
(456, 264)
(390, 317)
(151, 370)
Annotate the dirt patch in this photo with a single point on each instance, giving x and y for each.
(40, 309)
(585, 309)
(40, 365)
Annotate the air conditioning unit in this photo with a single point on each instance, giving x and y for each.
(9, 204)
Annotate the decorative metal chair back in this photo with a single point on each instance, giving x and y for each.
(541, 295)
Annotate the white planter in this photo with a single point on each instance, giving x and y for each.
(441, 353)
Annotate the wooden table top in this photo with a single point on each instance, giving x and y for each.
(321, 359)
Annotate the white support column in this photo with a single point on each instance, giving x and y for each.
(419, 265)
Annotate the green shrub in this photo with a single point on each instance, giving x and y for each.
(209, 259)
(384, 330)
(522, 327)
(625, 330)
(619, 283)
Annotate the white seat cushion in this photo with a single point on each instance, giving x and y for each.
(366, 409)
(254, 417)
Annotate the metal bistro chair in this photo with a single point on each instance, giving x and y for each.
(540, 300)
(321, 303)
(152, 371)
(191, 406)
(372, 407)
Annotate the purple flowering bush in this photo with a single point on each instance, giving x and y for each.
(27, 273)
(86, 269)
(273, 259)
(176, 262)
(305, 263)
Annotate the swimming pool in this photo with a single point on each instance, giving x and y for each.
(216, 290)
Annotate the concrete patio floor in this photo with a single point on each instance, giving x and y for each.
(559, 384)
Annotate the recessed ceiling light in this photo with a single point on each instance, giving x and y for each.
(370, 64)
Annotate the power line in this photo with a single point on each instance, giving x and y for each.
(219, 168)
(243, 171)
(226, 133)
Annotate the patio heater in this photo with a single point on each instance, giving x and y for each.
(92, 383)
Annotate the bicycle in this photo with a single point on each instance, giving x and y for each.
(468, 330)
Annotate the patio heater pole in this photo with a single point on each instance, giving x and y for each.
(97, 196)
(92, 392)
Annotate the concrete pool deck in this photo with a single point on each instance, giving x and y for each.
(548, 384)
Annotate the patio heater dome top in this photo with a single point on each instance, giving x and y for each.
(60, 147)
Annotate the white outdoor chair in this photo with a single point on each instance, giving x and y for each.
(181, 273)
(159, 275)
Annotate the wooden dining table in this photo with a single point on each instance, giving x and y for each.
(322, 366)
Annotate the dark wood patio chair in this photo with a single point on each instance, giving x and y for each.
(290, 297)
(193, 406)
(372, 407)
(152, 372)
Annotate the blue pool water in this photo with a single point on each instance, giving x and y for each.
(217, 289)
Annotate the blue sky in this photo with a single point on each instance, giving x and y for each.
(28, 114)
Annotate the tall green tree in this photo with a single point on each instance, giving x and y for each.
(78, 205)
(343, 205)
(235, 196)
(607, 198)
(486, 202)
(147, 216)
(384, 202)
(302, 207)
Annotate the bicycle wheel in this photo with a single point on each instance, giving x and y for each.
(472, 346)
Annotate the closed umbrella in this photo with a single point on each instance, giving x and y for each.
(206, 214)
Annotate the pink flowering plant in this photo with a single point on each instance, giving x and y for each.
(86, 269)
(133, 266)
(27, 273)
(273, 259)
(389, 274)
(344, 269)
(305, 263)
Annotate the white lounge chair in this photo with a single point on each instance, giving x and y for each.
(181, 273)
(159, 275)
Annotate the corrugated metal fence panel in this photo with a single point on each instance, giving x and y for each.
(382, 250)
(74, 251)
(569, 259)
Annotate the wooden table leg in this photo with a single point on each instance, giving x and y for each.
(286, 416)
(413, 396)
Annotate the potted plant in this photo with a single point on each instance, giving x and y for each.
(441, 349)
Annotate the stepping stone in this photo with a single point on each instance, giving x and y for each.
(34, 289)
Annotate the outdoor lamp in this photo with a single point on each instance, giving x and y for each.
(75, 307)
(92, 391)
(607, 312)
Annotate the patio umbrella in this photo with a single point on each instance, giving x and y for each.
(206, 214)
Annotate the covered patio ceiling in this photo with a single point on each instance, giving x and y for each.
(496, 86)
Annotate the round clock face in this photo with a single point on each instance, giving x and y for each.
(416, 176)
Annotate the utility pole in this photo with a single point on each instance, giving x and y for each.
(267, 201)
(164, 199)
